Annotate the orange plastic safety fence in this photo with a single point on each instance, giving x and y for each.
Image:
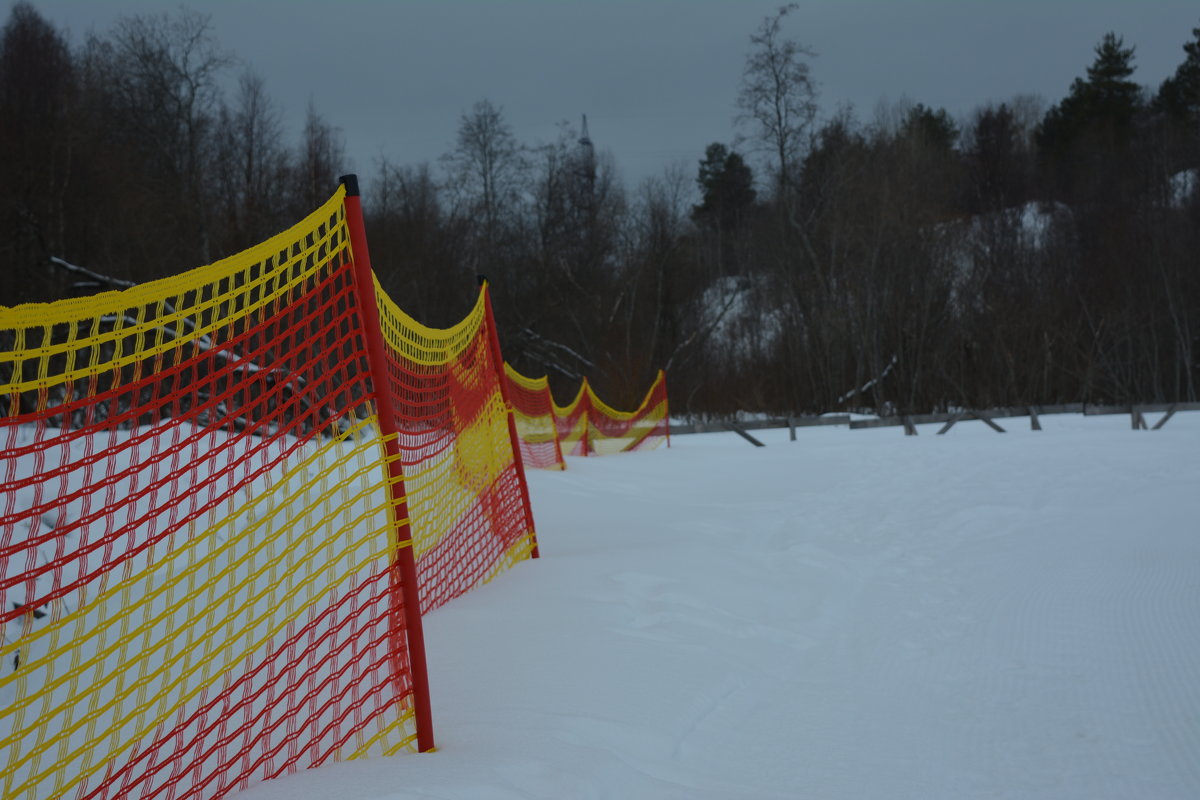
(533, 406)
(469, 515)
(199, 545)
(571, 423)
(587, 425)
(646, 427)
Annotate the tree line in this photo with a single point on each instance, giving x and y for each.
(1028, 253)
(128, 156)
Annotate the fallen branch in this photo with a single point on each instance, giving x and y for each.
(549, 343)
(95, 276)
(868, 384)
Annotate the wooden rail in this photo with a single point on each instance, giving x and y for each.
(762, 424)
(909, 422)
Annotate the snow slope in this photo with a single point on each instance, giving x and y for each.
(858, 614)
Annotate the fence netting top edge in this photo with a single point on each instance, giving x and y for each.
(27, 314)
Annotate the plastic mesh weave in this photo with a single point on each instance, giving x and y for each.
(198, 551)
(533, 407)
(469, 520)
(644, 428)
(584, 426)
(588, 425)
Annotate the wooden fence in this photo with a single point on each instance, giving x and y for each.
(1137, 415)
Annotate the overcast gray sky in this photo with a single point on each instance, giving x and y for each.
(657, 78)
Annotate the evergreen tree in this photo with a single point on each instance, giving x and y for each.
(934, 130)
(994, 158)
(728, 188)
(1179, 95)
(1101, 108)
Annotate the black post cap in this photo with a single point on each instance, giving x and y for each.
(351, 183)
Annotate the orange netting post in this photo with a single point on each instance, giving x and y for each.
(405, 582)
(666, 408)
(586, 406)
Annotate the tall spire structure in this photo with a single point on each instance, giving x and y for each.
(587, 157)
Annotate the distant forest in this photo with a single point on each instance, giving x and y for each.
(1029, 253)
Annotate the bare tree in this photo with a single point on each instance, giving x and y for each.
(657, 258)
(163, 74)
(38, 87)
(418, 247)
(485, 167)
(570, 289)
(777, 100)
(250, 167)
(318, 163)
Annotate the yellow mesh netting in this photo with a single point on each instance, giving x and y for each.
(613, 431)
(198, 544)
(469, 520)
(588, 425)
(533, 408)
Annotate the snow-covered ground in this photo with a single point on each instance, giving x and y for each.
(858, 614)
(1182, 187)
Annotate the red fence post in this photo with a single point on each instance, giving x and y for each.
(364, 289)
(585, 397)
(498, 363)
(554, 420)
(662, 375)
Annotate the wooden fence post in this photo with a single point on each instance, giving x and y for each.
(986, 420)
(733, 426)
(1170, 413)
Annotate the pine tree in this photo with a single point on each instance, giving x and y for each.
(727, 185)
(1102, 107)
(994, 155)
(1179, 95)
(934, 130)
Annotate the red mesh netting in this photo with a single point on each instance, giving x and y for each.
(200, 555)
(536, 425)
